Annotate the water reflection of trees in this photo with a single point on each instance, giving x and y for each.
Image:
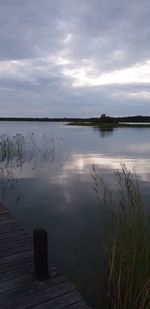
(19, 151)
(105, 132)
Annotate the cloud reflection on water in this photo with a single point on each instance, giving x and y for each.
(81, 163)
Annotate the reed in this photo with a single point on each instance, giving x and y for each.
(19, 149)
(126, 242)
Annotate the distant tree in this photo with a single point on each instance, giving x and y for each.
(103, 116)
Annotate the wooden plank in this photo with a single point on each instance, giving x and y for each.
(79, 305)
(23, 280)
(11, 235)
(3, 211)
(7, 215)
(15, 242)
(8, 228)
(38, 294)
(31, 289)
(19, 249)
(15, 283)
(5, 221)
(15, 258)
(7, 274)
(4, 243)
(63, 301)
(10, 267)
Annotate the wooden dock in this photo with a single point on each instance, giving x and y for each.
(18, 287)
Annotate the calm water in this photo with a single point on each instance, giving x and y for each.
(52, 187)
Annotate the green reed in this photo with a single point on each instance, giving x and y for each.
(126, 243)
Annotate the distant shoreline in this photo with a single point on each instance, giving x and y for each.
(108, 126)
(33, 119)
(81, 121)
(105, 122)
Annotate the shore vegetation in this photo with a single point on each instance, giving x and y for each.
(126, 242)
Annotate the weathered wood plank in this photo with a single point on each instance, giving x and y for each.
(10, 243)
(15, 258)
(12, 235)
(8, 228)
(26, 282)
(78, 305)
(14, 250)
(63, 301)
(40, 294)
(12, 267)
(15, 283)
(29, 291)
(3, 211)
(7, 274)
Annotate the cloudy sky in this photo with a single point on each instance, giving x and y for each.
(74, 57)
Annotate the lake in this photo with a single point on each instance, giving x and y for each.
(51, 186)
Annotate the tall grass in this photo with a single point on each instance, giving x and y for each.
(20, 149)
(18, 152)
(126, 243)
(30, 151)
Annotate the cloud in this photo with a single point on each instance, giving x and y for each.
(74, 58)
(139, 73)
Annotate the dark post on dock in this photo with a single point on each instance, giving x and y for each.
(40, 250)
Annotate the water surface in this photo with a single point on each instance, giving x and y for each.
(52, 186)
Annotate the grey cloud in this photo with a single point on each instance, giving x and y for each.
(104, 34)
(113, 33)
(28, 27)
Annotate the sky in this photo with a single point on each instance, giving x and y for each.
(74, 58)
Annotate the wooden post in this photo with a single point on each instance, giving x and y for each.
(40, 250)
